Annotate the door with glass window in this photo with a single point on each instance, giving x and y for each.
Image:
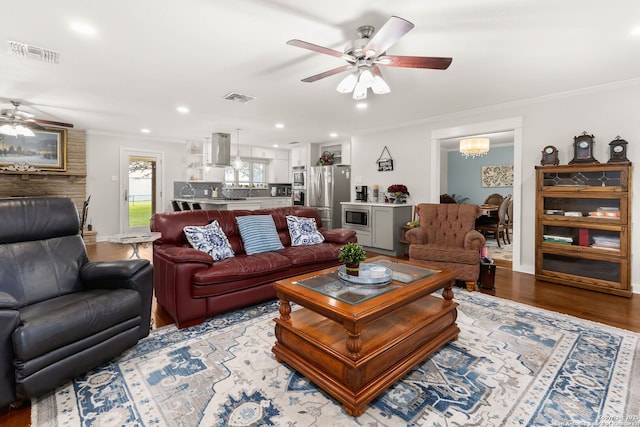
(141, 189)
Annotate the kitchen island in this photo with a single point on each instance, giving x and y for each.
(249, 203)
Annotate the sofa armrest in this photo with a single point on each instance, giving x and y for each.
(474, 240)
(135, 274)
(180, 254)
(416, 236)
(9, 319)
(339, 235)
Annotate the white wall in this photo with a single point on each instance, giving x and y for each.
(103, 165)
(605, 112)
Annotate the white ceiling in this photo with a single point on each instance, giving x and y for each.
(149, 56)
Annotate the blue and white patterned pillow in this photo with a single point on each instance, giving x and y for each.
(210, 239)
(258, 234)
(303, 231)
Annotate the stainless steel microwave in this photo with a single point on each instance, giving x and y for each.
(299, 175)
(356, 217)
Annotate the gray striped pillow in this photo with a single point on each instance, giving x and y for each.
(258, 234)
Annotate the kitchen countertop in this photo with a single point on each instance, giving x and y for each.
(220, 201)
(389, 205)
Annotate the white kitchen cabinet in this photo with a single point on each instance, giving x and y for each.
(262, 153)
(276, 202)
(382, 233)
(300, 156)
(279, 171)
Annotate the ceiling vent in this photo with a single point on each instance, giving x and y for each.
(33, 52)
(234, 96)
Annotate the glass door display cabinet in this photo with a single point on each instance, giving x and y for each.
(583, 221)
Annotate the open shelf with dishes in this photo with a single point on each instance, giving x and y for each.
(583, 218)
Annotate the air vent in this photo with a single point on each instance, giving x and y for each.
(233, 96)
(33, 52)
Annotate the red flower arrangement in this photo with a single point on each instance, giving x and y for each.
(398, 189)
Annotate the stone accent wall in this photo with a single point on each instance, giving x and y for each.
(70, 183)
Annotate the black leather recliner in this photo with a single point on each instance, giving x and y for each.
(61, 315)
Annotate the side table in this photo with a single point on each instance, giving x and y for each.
(403, 241)
(134, 239)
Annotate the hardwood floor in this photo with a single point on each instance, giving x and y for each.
(520, 287)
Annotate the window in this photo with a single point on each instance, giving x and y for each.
(252, 173)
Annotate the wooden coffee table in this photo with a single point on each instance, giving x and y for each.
(355, 350)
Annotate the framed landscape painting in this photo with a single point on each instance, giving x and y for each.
(47, 150)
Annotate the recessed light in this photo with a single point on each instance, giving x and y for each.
(361, 105)
(84, 28)
(333, 134)
(279, 125)
(635, 31)
(182, 109)
(145, 130)
(275, 145)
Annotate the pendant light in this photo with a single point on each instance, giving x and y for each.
(474, 147)
(237, 163)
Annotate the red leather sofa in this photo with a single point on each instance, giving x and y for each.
(191, 286)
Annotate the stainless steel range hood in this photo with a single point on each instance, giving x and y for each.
(217, 152)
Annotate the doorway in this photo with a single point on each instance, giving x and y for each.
(439, 155)
(141, 181)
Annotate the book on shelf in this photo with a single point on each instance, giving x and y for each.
(605, 214)
(606, 211)
(572, 213)
(552, 238)
(554, 212)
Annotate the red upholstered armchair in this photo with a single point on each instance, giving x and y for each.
(447, 238)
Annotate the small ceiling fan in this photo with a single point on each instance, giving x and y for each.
(367, 53)
(15, 122)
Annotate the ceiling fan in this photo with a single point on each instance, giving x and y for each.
(367, 53)
(17, 122)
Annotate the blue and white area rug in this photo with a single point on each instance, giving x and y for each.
(513, 365)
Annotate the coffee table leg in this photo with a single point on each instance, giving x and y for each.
(354, 343)
(285, 310)
(447, 292)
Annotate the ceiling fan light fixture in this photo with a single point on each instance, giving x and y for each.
(16, 130)
(366, 77)
(360, 91)
(474, 147)
(379, 86)
(348, 83)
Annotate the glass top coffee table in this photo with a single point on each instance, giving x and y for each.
(356, 347)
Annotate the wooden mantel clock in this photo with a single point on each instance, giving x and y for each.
(618, 151)
(549, 156)
(583, 149)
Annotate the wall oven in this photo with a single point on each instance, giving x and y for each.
(299, 176)
(298, 197)
(356, 218)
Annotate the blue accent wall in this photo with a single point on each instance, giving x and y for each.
(464, 176)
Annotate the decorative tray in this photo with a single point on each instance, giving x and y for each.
(370, 275)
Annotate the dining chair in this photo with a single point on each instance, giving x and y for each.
(496, 227)
(494, 199)
(509, 220)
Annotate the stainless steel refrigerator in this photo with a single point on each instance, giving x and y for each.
(328, 186)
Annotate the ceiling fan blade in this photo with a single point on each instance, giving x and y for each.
(386, 36)
(52, 123)
(321, 49)
(33, 125)
(327, 73)
(433, 62)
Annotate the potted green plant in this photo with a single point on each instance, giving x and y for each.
(352, 254)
